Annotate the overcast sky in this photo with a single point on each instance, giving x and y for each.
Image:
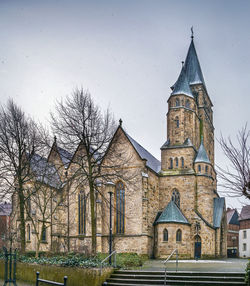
(127, 54)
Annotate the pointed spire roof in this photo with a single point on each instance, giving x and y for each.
(192, 66)
(172, 214)
(182, 86)
(191, 71)
(202, 156)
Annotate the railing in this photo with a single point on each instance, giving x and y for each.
(110, 255)
(50, 282)
(10, 267)
(165, 262)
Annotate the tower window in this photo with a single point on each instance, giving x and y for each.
(206, 169)
(176, 162)
(177, 122)
(176, 197)
(187, 103)
(81, 213)
(120, 207)
(178, 235)
(182, 162)
(199, 168)
(165, 235)
(171, 163)
(177, 102)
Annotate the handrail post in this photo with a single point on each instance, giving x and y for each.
(65, 280)
(165, 262)
(37, 278)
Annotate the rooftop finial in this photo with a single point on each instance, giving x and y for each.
(182, 63)
(120, 122)
(192, 33)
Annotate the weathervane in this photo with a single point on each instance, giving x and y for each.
(192, 33)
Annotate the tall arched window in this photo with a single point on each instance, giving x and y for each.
(176, 197)
(182, 162)
(187, 103)
(178, 235)
(28, 232)
(170, 163)
(81, 213)
(177, 122)
(177, 102)
(120, 207)
(206, 169)
(199, 168)
(176, 162)
(165, 235)
(44, 233)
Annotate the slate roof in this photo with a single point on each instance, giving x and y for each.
(201, 156)
(232, 217)
(186, 143)
(172, 213)
(44, 171)
(218, 211)
(152, 162)
(245, 213)
(65, 156)
(182, 85)
(190, 74)
(5, 209)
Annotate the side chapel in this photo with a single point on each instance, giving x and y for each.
(174, 203)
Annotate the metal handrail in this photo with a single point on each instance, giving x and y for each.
(165, 262)
(113, 253)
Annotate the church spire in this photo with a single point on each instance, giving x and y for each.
(202, 156)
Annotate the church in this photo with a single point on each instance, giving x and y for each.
(173, 203)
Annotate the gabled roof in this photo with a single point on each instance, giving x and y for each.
(182, 85)
(219, 204)
(172, 214)
(44, 171)
(5, 209)
(66, 156)
(201, 156)
(232, 217)
(152, 162)
(245, 213)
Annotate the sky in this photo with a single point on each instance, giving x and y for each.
(127, 54)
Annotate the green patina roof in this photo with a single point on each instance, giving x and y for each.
(172, 214)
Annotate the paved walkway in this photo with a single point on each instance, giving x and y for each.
(222, 265)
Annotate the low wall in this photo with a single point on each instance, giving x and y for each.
(76, 276)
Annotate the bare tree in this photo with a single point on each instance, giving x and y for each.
(79, 122)
(19, 139)
(236, 177)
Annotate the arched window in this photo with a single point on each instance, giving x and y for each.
(177, 122)
(170, 163)
(182, 162)
(178, 235)
(81, 213)
(206, 169)
(176, 197)
(187, 103)
(44, 234)
(176, 162)
(120, 207)
(28, 232)
(177, 102)
(165, 235)
(199, 168)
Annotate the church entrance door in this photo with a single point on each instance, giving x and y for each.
(197, 247)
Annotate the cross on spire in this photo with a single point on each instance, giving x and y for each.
(192, 33)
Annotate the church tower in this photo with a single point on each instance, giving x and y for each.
(189, 203)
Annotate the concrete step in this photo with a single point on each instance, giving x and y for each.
(178, 277)
(180, 283)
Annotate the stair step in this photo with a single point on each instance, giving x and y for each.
(176, 282)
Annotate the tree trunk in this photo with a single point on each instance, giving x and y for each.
(22, 220)
(93, 218)
(37, 247)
